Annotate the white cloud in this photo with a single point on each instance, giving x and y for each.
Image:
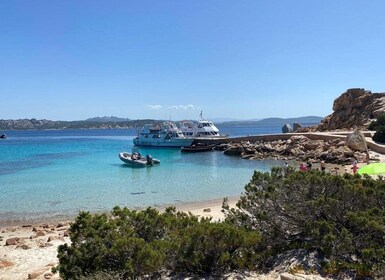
(154, 107)
(189, 107)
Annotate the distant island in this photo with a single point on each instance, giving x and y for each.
(93, 123)
(124, 123)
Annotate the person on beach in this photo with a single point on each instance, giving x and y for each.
(355, 167)
(308, 166)
(336, 170)
(322, 166)
(285, 168)
(302, 167)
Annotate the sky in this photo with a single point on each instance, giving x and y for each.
(161, 59)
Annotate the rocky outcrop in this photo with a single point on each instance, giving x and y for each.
(356, 107)
(298, 147)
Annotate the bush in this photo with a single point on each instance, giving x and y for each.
(340, 217)
(213, 248)
(379, 127)
(378, 123)
(134, 244)
(379, 135)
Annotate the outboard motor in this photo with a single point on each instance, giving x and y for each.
(149, 160)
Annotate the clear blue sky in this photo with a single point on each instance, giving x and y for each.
(71, 60)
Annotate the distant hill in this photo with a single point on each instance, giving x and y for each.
(278, 121)
(25, 124)
(116, 123)
(106, 119)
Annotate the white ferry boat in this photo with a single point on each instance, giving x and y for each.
(166, 135)
(200, 129)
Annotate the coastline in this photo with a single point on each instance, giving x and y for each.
(34, 249)
(195, 207)
(32, 244)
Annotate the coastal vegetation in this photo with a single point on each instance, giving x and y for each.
(341, 218)
(379, 127)
(134, 244)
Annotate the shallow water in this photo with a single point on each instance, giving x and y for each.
(49, 173)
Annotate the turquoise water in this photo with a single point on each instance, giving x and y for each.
(54, 173)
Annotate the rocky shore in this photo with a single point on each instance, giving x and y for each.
(297, 148)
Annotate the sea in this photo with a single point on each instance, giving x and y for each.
(57, 173)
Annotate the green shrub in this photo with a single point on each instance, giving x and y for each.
(213, 248)
(378, 123)
(379, 127)
(134, 244)
(342, 217)
(379, 135)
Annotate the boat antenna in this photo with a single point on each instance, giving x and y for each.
(201, 115)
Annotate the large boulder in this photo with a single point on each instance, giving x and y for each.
(296, 126)
(356, 141)
(287, 128)
(356, 107)
(234, 151)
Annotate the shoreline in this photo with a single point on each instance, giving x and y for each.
(195, 207)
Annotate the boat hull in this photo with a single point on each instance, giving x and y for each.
(163, 143)
(142, 162)
(196, 149)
